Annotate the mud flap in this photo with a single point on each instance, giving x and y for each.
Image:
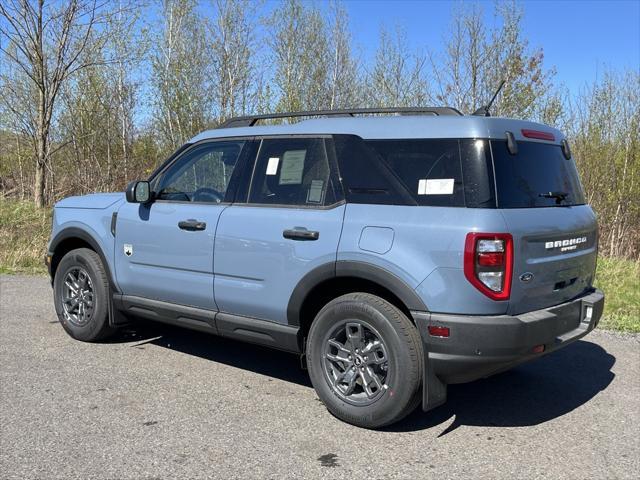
(434, 391)
(116, 317)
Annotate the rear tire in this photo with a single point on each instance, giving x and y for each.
(365, 360)
(81, 296)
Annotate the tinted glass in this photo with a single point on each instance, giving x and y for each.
(429, 169)
(292, 171)
(365, 177)
(477, 173)
(537, 176)
(202, 174)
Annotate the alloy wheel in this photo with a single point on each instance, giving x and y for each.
(356, 363)
(78, 297)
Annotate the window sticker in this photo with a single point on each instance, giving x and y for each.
(435, 186)
(292, 167)
(316, 191)
(272, 165)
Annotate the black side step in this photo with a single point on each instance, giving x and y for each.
(252, 330)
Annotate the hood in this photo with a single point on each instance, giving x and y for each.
(94, 201)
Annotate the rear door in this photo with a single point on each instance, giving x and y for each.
(287, 223)
(554, 232)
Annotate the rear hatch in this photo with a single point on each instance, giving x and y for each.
(554, 233)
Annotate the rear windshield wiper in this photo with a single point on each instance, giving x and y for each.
(559, 196)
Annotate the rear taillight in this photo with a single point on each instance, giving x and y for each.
(488, 263)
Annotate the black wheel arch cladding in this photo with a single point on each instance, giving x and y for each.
(351, 269)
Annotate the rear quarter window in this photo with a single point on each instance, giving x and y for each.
(429, 169)
(428, 172)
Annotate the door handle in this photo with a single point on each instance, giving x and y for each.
(300, 233)
(192, 225)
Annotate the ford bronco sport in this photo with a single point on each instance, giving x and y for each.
(396, 253)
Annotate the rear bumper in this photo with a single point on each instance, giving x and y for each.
(480, 346)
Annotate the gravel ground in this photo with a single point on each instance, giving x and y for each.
(160, 402)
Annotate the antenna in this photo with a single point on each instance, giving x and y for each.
(484, 111)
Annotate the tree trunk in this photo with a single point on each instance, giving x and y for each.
(41, 163)
(39, 185)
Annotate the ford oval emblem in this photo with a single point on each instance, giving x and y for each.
(526, 277)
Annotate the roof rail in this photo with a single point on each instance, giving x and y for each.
(251, 120)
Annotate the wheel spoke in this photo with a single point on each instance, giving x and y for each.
(335, 358)
(340, 347)
(70, 285)
(71, 301)
(355, 335)
(371, 384)
(375, 353)
(347, 377)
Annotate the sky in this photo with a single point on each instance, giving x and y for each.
(579, 38)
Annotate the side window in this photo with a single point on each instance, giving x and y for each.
(292, 171)
(202, 174)
(429, 168)
(365, 177)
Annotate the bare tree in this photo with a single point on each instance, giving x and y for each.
(49, 42)
(128, 45)
(397, 78)
(344, 82)
(300, 54)
(234, 46)
(477, 58)
(181, 74)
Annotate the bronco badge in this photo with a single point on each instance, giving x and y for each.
(565, 245)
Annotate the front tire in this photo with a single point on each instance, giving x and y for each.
(81, 296)
(365, 360)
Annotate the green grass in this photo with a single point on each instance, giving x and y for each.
(24, 232)
(620, 281)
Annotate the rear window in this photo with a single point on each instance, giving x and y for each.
(537, 176)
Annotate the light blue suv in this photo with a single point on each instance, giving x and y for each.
(396, 252)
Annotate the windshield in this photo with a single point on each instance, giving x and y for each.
(537, 176)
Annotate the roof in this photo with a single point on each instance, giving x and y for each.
(391, 127)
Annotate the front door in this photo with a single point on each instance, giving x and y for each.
(164, 249)
(288, 224)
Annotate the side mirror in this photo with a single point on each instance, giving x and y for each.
(138, 191)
